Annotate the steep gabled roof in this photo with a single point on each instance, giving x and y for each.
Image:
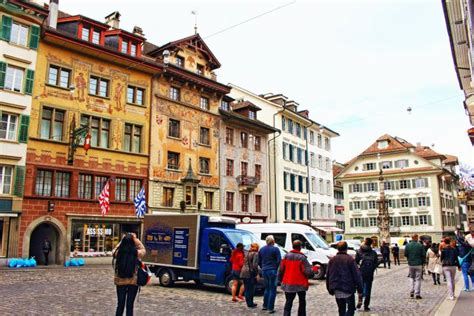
(394, 144)
(428, 153)
(194, 40)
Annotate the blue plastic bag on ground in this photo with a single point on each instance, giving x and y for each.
(12, 263)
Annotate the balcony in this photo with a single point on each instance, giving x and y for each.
(247, 183)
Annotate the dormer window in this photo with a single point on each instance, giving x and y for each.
(96, 37)
(180, 61)
(133, 50)
(382, 144)
(124, 49)
(19, 34)
(225, 105)
(200, 70)
(252, 115)
(85, 33)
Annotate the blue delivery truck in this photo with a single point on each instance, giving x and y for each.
(192, 247)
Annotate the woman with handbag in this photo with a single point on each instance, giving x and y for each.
(126, 256)
(249, 274)
(434, 264)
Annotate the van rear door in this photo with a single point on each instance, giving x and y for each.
(213, 262)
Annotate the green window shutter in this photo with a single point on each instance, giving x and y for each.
(426, 182)
(6, 28)
(352, 222)
(19, 180)
(351, 206)
(428, 201)
(377, 187)
(429, 220)
(350, 188)
(410, 202)
(3, 72)
(417, 220)
(30, 76)
(24, 124)
(34, 37)
(398, 203)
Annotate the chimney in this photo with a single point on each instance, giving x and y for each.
(113, 20)
(138, 31)
(53, 13)
(304, 113)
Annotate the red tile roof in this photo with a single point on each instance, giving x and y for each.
(428, 153)
(394, 144)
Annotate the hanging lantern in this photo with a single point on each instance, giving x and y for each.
(87, 142)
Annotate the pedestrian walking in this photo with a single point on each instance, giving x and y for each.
(385, 250)
(415, 254)
(269, 260)
(396, 254)
(46, 250)
(237, 261)
(125, 261)
(434, 263)
(465, 259)
(366, 258)
(343, 280)
(249, 274)
(449, 260)
(293, 274)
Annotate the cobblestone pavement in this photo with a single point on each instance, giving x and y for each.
(90, 291)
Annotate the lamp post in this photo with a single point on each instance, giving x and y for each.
(384, 217)
(76, 134)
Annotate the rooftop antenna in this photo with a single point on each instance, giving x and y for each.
(195, 13)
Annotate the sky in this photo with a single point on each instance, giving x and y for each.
(357, 66)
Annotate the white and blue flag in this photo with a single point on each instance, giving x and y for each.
(140, 203)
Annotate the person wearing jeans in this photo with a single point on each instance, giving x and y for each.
(415, 254)
(249, 274)
(269, 260)
(126, 295)
(449, 260)
(466, 252)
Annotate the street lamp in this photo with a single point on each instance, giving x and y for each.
(76, 135)
(384, 217)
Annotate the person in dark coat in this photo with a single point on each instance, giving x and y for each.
(46, 250)
(385, 250)
(366, 258)
(293, 274)
(450, 262)
(249, 274)
(396, 254)
(343, 279)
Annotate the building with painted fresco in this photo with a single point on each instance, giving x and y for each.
(19, 38)
(244, 162)
(184, 152)
(419, 184)
(90, 79)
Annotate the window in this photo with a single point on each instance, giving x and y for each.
(8, 126)
(404, 202)
(84, 188)
(14, 78)
(229, 201)
(135, 95)
(99, 183)
(124, 47)
(421, 183)
(357, 222)
(99, 87)
(52, 122)
(62, 184)
(175, 93)
(327, 144)
(204, 136)
(229, 136)
(121, 189)
(388, 185)
(290, 126)
(291, 152)
(313, 184)
(44, 182)
(243, 168)
(401, 163)
(403, 184)
(244, 202)
(292, 182)
(58, 76)
(312, 160)
(200, 69)
(215, 242)
(372, 205)
(371, 187)
(208, 197)
(180, 61)
(204, 103)
(229, 168)
(19, 34)
(244, 139)
(6, 175)
(369, 166)
(204, 165)
(320, 141)
(299, 155)
(372, 221)
(133, 50)
(99, 130)
(328, 187)
(328, 165)
(423, 219)
(134, 188)
(283, 123)
(258, 171)
(357, 187)
(298, 129)
(133, 138)
(257, 142)
(174, 128)
(386, 164)
(357, 205)
(422, 201)
(252, 115)
(95, 37)
(321, 186)
(382, 144)
(168, 196)
(406, 221)
(173, 160)
(258, 203)
(190, 195)
(85, 34)
(225, 105)
(285, 150)
(311, 137)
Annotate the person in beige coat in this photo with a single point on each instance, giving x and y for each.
(434, 263)
(126, 256)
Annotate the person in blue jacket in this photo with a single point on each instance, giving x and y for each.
(465, 260)
(269, 260)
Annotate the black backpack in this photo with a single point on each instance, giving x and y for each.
(368, 263)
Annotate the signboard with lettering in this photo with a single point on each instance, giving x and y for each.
(180, 246)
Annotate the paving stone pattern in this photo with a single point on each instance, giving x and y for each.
(90, 291)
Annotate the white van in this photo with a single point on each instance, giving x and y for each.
(315, 248)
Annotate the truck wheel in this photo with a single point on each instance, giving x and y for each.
(166, 278)
(321, 273)
(228, 285)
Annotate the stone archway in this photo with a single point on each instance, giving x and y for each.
(46, 225)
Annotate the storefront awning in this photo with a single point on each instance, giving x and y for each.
(329, 229)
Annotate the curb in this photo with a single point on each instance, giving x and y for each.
(446, 306)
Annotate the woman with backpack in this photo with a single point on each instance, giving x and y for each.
(366, 258)
(126, 256)
(434, 263)
(249, 274)
(449, 260)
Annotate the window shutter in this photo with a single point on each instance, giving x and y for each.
(410, 202)
(376, 187)
(408, 184)
(413, 183)
(398, 221)
(24, 124)
(428, 201)
(351, 206)
(364, 205)
(19, 180)
(397, 203)
(3, 71)
(365, 187)
(417, 220)
(412, 220)
(429, 220)
(352, 222)
(366, 222)
(6, 28)
(34, 37)
(30, 76)
(426, 182)
(350, 188)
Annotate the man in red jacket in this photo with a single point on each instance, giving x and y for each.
(294, 272)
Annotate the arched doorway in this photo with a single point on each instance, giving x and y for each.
(39, 234)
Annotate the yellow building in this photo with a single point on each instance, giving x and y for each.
(184, 151)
